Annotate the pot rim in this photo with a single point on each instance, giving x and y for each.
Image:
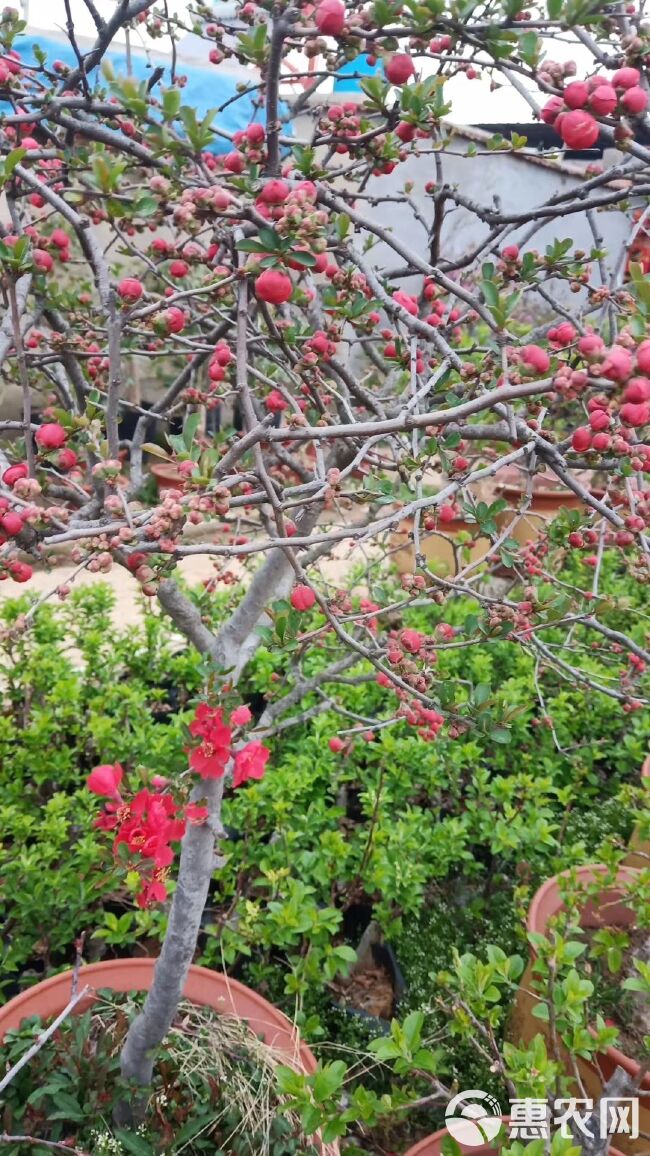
(164, 470)
(426, 1146)
(587, 872)
(203, 986)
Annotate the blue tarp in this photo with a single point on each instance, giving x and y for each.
(346, 81)
(206, 87)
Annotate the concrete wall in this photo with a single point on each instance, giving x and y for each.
(501, 180)
(508, 181)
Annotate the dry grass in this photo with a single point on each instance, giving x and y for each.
(209, 1049)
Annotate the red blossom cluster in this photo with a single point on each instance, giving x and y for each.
(148, 824)
(214, 751)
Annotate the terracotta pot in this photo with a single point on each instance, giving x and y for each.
(637, 844)
(432, 1145)
(166, 477)
(609, 911)
(436, 547)
(204, 987)
(549, 497)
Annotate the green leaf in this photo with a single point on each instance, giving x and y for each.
(482, 693)
(14, 158)
(133, 1143)
(500, 735)
(450, 1147)
(193, 1126)
(491, 294)
(270, 239)
(67, 1108)
(342, 226)
(192, 423)
(145, 206)
(328, 1080)
(530, 47)
(171, 102)
(156, 451)
(250, 246)
(299, 257)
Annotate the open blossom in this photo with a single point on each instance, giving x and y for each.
(150, 825)
(153, 889)
(146, 827)
(209, 759)
(250, 763)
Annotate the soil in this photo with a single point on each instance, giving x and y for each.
(368, 989)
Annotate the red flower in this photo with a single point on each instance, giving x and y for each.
(153, 889)
(250, 763)
(209, 759)
(105, 780)
(149, 826)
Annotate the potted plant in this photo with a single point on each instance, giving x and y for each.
(145, 827)
(447, 544)
(166, 476)
(548, 497)
(588, 930)
(438, 1144)
(441, 1143)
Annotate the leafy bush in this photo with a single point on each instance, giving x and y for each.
(397, 825)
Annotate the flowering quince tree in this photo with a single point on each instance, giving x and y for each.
(359, 367)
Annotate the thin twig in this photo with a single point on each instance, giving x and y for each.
(43, 1038)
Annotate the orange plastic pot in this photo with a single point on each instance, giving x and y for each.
(437, 547)
(166, 477)
(609, 910)
(639, 847)
(432, 1145)
(204, 987)
(548, 498)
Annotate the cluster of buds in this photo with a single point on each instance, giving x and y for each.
(573, 114)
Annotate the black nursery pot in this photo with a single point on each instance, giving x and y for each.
(385, 958)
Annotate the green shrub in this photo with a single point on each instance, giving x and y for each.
(393, 824)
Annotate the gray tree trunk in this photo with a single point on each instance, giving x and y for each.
(231, 648)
